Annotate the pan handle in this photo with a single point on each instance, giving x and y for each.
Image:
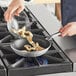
(54, 35)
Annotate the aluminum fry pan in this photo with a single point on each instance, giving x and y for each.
(18, 46)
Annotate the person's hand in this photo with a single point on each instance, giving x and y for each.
(68, 30)
(14, 8)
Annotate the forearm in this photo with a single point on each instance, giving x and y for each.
(58, 11)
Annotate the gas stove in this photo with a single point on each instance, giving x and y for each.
(54, 61)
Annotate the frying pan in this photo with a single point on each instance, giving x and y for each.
(18, 46)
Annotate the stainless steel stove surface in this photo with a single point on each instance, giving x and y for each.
(54, 61)
(3, 71)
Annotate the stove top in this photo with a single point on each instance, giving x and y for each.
(54, 61)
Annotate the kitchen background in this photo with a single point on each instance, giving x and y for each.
(53, 17)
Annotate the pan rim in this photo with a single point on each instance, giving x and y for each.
(31, 54)
(27, 51)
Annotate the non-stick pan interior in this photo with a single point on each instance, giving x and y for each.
(19, 44)
(42, 41)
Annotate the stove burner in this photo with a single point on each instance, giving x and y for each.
(30, 63)
(42, 60)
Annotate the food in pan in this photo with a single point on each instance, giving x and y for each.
(28, 35)
(35, 47)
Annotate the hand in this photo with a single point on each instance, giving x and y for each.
(14, 8)
(69, 29)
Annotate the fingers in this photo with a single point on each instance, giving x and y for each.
(63, 28)
(65, 31)
(9, 14)
(19, 10)
(14, 8)
(60, 30)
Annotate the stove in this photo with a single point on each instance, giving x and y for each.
(3, 71)
(54, 61)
